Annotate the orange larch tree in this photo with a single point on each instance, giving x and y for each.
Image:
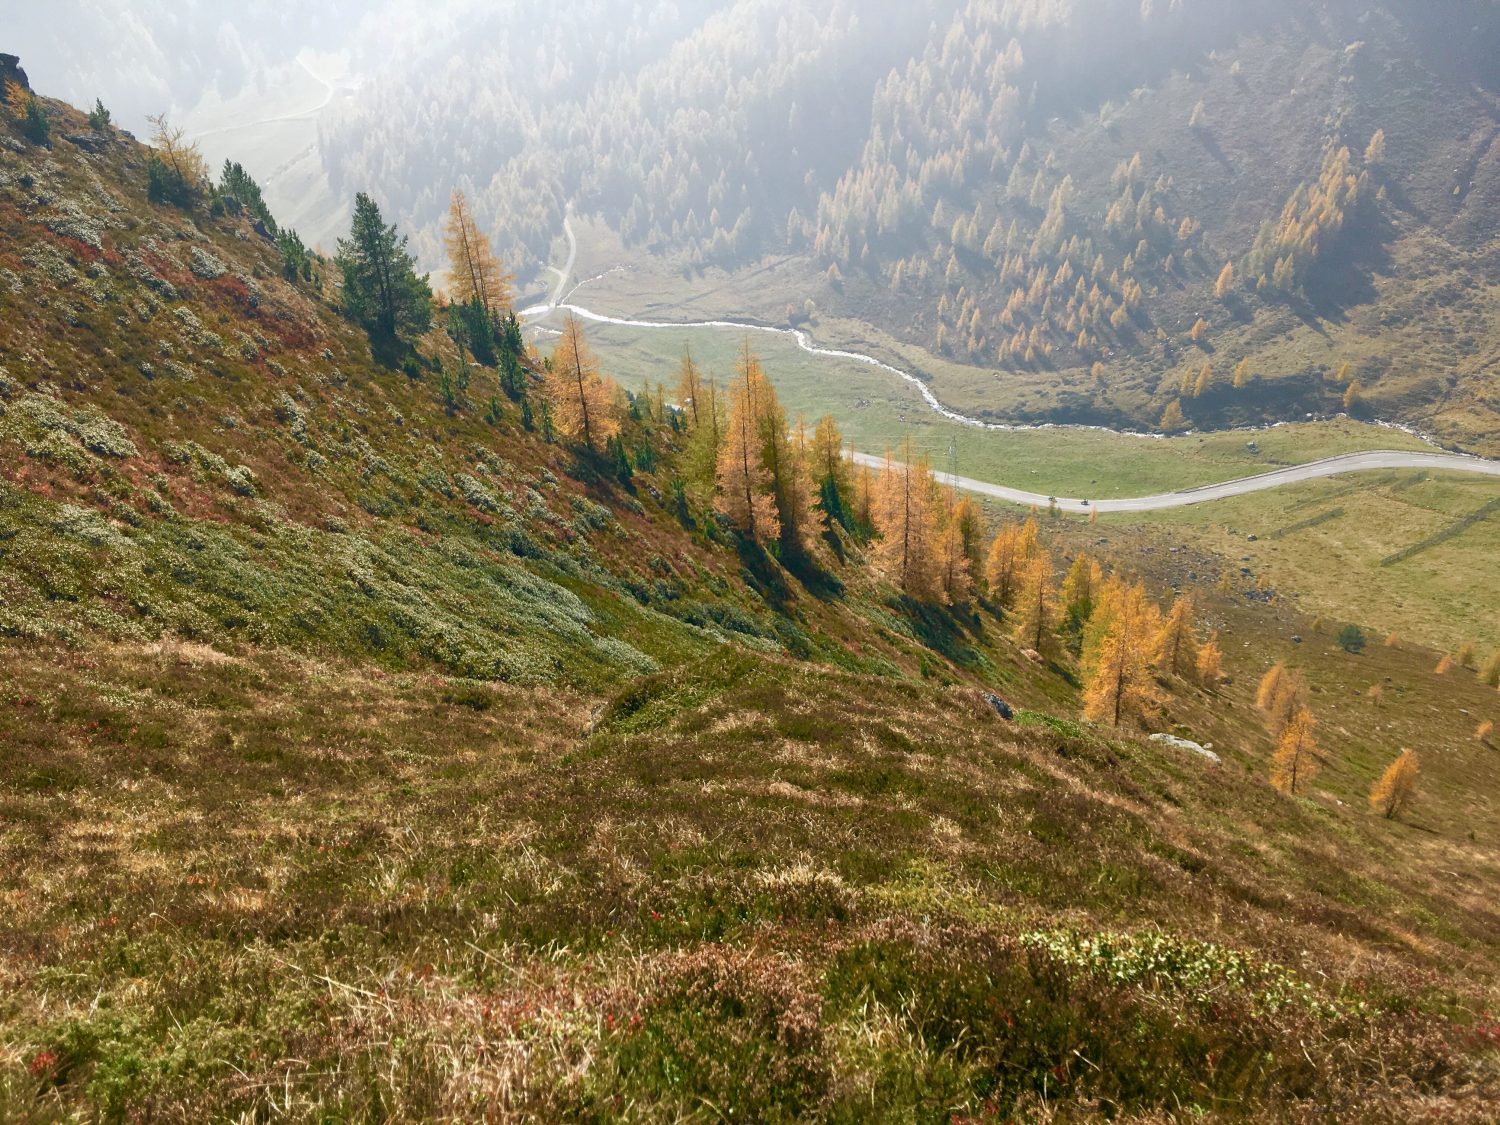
(1175, 648)
(1393, 792)
(745, 485)
(1011, 550)
(792, 482)
(953, 557)
(1116, 655)
(1281, 694)
(1210, 662)
(1296, 760)
(474, 273)
(584, 403)
(1084, 579)
(904, 518)
(1035, 624)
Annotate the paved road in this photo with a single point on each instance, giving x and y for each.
(302, 115)
(562, 274)
(1276, 478)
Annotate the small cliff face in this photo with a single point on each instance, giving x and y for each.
(10, 71)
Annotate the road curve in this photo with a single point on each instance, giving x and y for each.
(563, 274)
(304, 115)
(1277, 478)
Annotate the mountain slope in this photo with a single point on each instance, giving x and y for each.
(954, 171)
(369, 756)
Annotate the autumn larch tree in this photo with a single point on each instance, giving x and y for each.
(1083, 580)
(1225, 284)
(1036, 607)
(690, 387)
(1270, 686)
(1393, 792)
(830, 470)
(1116, 656)
(792, 480)
(784, 464)
(1210, 662)
(1281, 695)
(1296, 759)
(1175, 648)
(954, 564)
(382, 291)
(1009, 554)
(745, 486)
(1173, 420)
(584, 407)
(904, 518)
(1205, 381)
(475, 275)
(175, 170)
(969, 520)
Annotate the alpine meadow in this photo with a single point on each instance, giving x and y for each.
(740, 560)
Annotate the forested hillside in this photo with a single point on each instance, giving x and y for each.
(1163, 215)
(1158, 215)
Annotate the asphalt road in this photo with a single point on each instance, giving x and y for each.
(1276, 478)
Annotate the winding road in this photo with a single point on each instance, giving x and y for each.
(1277, 478)
(306, 114)
(1367, 461)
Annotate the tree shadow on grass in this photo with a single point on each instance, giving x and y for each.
(940, 629)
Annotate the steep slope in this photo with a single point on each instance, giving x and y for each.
(369, 756)
(1101, 228)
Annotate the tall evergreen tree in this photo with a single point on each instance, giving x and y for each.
(830, 470)
(239, 185)
(707, 436)
(382, 290)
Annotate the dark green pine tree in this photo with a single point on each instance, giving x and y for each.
(382, 290)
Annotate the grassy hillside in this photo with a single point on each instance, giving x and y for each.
(368, 756)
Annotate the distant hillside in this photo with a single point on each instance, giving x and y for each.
(1030, 189)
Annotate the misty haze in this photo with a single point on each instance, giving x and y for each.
(707, 560)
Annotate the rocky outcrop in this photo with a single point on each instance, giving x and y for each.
(10, 71)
